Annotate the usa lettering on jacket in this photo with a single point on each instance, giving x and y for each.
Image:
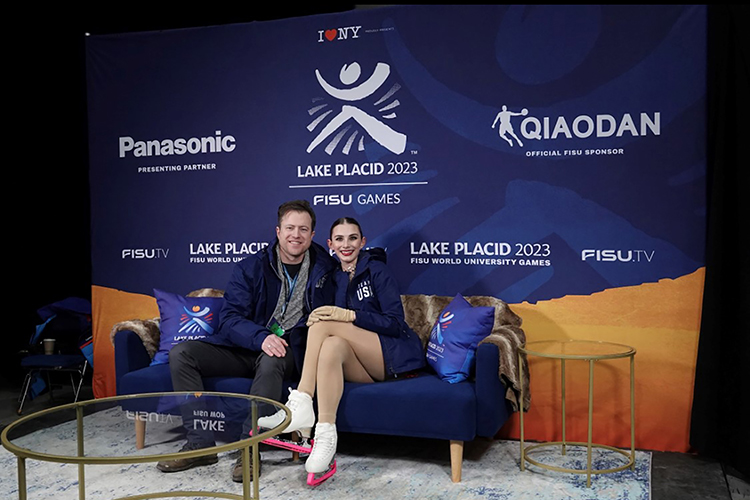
(364, 290)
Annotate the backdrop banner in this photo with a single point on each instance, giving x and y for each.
(550, 156)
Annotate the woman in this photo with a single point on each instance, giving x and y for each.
(363, 338)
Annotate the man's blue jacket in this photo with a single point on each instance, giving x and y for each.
(253, 291)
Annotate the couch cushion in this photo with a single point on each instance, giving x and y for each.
(157, 379)
(150, 379)
(404, 408)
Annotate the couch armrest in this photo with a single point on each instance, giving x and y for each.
(130, 354)
(492, 407)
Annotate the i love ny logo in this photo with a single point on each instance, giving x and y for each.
(343, 33)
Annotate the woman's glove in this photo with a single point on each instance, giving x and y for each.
(313, 318)
(331, 313)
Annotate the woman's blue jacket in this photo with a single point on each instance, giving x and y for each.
(374, 295)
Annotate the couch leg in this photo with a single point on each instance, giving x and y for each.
(457, 457)
(140, 433)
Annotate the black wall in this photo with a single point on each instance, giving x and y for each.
(46, 182)
(719, 425)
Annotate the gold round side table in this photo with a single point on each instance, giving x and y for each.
(582, 350)
(105, 432)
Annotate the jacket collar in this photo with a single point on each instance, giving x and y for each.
(320, 261)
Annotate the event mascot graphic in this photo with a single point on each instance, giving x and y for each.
(376, 129)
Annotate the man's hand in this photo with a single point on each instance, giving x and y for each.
(332, 313)
(274, 345)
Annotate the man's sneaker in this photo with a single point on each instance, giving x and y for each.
(324, 448)
(237, 469)
(303, 416)
(180, 464)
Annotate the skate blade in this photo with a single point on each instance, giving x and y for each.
(315, 481)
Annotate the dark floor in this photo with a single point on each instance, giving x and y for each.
(675, 476)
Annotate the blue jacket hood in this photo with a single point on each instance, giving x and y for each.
(375, 253)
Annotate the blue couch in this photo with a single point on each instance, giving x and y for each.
(422, 406)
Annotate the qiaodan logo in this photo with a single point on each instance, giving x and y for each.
(334, 126)
(582, 126)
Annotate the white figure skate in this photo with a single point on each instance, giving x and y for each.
(321, 465)
(303, 417)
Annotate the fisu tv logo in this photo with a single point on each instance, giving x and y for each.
(144, 253)
(338, 127)
(196, 320)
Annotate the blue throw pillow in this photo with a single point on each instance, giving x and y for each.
(453, 341)
(184, 318)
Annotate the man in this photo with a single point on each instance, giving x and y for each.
(262, 331)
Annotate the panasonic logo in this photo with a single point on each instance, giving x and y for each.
(166, 147)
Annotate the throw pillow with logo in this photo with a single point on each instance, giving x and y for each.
(454, 337)
(184, 318)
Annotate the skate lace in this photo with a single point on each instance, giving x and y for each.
(294, 403)
(280, 415)
(324, 443)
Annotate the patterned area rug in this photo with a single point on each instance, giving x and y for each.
(371, 467)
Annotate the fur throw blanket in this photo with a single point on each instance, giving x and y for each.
(148, 329)
(422, 311)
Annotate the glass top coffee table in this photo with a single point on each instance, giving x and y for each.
(579, 350)
(103, 431)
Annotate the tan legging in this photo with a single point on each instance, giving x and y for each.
(338, 351)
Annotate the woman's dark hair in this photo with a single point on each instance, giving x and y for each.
(345, 220)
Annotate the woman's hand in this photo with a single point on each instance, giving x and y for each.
(331, 313)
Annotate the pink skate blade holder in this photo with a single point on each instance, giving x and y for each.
(288, 445)
(312, 481)
(302, 448)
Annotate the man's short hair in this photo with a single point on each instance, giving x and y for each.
(296, 206)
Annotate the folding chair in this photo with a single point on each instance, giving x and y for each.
(46, 363)
(71, 329)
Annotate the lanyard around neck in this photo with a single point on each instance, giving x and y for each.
(292, 282)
